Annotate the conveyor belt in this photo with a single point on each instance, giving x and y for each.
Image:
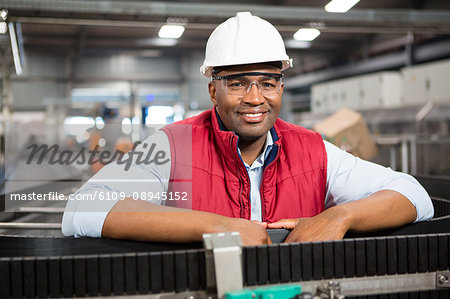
(149, 270)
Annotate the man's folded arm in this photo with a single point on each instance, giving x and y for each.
(361, 197)
(144, 221)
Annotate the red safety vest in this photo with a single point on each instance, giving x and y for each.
(213, 175)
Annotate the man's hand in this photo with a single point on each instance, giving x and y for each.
(329, 225)
(252, 232)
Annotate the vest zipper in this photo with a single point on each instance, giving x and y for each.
(261, 189)
(241, 202)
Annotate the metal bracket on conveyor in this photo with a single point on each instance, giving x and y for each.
(223, 255)
(331, 290)
(443, 279)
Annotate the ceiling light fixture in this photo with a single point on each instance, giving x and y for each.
(297, 44)
(3, 14)
(3, 27)
(15, 49)
(306, 34)
(171, 31)
(340, 5)
(3, 17)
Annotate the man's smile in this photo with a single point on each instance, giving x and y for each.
(253, 116)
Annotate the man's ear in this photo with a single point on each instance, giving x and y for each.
(212, 92)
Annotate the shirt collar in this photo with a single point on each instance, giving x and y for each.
(259, 162)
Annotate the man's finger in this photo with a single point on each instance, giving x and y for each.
(263, 224)
(284, 223)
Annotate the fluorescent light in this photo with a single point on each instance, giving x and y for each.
(15, 49)
(164, 42)
(171, 31)
(340, 5)
(3, 27)
(297, 44)
(306, 34)
(4, 14)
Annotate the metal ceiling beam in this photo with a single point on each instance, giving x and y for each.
(177, 9)
(384, 62)
(210, 26)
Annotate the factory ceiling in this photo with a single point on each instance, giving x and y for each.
(371, 30)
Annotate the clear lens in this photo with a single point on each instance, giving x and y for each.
(241, 85)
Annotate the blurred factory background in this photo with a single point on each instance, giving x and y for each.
(70, 69)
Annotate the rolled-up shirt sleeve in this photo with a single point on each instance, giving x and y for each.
(350, 178)
(86, 212)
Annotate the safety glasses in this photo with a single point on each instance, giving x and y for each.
(240, 84)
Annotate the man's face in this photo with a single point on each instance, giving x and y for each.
(251, 115)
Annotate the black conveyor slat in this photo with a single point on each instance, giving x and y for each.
(433, 294)
(105, 275)
(444, 294)
(92, 266)
(54, 274)
(296, 262)
(130, 274)
(339, 259)
(168, 267)
(307, 261)
(202, 266)
(392, 261)
(250, 265)
(412, 255)
(360, 251)
(41, 277)
(317, 260)
(193, 270)
(443, 252)
(181, 283)
(274, 263)
(403, 296)
(285, 263)
(402, 255)
(262, 263)
(381, 257)
(432, 253)
(67, 276)
(413, 295)
(143, 273)
(349, 248)
(328, 262)
(28, 268)
(371, 255)
(156, 272)
(16, 278)
(423, 253)
(79, 275)
(5, 278)
(118, 275)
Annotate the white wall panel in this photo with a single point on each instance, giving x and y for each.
(427, 82)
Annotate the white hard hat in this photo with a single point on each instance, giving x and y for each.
(244, 39)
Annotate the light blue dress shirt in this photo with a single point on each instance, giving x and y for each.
(348, 179)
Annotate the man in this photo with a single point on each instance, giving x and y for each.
(248, 170)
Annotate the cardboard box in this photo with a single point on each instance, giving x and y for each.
(346, 129)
